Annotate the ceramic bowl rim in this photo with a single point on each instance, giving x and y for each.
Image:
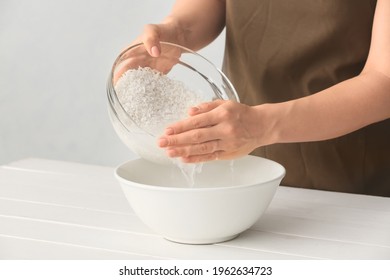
(128, 183)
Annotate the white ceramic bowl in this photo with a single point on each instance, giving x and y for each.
(227, 198)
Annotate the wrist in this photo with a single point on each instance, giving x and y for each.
(177, 30)
(270, 118)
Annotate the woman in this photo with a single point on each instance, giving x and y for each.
(314, 82)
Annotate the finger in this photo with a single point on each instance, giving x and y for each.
(204, 107)
(217, 155)
(151, 40)
(193, 123)
(191, 137)
(133, 57)
(196, 149)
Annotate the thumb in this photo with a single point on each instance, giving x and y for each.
(151, 39)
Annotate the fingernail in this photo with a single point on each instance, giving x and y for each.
(163, 142)
(154, 51)
(186, 159)
(195, 109)
(170, 152)
(169, 131)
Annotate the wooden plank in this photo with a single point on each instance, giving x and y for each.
(139, 244)
(305, 246)
(347, 200)
(326, 213)
(73, 216)
(355, 218)
(251, 240)
(15, 248)
(51, 194)
(61, 167)
(88, 182)
(333, 231)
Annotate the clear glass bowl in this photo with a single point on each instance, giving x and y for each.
(184, 68)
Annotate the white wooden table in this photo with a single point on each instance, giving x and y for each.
(62, 210)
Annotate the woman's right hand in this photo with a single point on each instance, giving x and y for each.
(153, 34)
(191, 23)
(148, 54)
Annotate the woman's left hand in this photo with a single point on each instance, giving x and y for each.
(215, 130)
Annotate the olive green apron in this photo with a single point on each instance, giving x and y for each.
(278, 50)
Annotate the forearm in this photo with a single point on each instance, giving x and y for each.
(333, 112)
(197, 22)
(227, 130)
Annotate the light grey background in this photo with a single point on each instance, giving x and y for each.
(55, 57)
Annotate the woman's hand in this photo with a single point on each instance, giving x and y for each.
(148, 53)
(215, 130)
(153, 34)
(191, 23)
